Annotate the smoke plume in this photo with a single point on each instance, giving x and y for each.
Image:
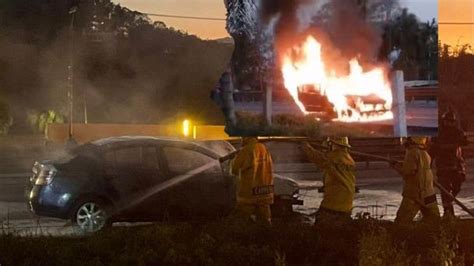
(342, 26)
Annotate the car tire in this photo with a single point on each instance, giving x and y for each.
(91, 216)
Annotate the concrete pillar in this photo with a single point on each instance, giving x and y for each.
(267, 104)
(398, 105)
(228, 106)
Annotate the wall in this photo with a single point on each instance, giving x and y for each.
(82, 133)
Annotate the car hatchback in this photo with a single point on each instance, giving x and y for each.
(140, 179)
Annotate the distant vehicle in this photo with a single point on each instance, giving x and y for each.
(141, 179)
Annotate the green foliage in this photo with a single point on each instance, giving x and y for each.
(295, 125)
(282, 125)
(234, 242)
(418, 42)
(39, 121)
(456, 68)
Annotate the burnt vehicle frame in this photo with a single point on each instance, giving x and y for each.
(316, 102)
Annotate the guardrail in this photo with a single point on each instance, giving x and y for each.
(429, 93)
(421, 93)
(388, 147)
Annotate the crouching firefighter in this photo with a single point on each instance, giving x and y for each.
(253, 167)
(418, 191)
(339, 180)
(446, 152)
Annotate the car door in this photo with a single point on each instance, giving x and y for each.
(132, 170)
(204, 193)
(152, 202)
(119, 170)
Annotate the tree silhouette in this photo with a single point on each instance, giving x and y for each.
(127, 68)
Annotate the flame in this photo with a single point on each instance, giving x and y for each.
(309, 69)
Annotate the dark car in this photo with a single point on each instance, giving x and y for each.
(140, 179)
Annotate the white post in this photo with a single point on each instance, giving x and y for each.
(398, 105)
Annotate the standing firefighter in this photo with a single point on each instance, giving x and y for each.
(253, 166)
(447, 155)
(418, 191)
(339, 180)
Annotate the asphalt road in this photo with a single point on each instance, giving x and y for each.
(378, 184)
(380, 195)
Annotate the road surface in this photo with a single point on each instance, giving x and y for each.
(380, 195)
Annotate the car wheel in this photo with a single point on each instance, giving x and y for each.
(91, 216)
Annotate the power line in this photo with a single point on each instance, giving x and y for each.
(183, 17)
(223, 19)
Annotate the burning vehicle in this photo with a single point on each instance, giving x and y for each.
(317, 103)
(322, 57)
(358, 96)
(141, 179)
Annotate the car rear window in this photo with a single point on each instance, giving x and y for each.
(128, 157)
(150, 158)
(132, 157)
(181, 161)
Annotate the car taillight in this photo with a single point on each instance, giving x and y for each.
(45, 176)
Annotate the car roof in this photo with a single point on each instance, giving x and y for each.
(112, 140)
(171, 141)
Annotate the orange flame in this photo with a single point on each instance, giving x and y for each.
(310, 69)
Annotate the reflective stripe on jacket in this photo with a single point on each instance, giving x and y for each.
(253, 166)
(339, 177)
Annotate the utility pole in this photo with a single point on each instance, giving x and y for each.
(70, 77)
(85, 109)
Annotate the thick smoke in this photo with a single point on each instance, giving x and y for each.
(288, 22)
(350, 32)
(127, 69)
(342, 26)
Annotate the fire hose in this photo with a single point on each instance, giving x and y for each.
(361, 154)
(436, 183)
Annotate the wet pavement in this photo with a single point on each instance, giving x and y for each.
(379, 196)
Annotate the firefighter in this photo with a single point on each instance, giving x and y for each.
(446, 151)
(418, 191)
(253, 166)
(339, 180)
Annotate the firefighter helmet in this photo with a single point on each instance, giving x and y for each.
(342, 141)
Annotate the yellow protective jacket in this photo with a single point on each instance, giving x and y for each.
(339, 177)
(417, 175)
(253, 166)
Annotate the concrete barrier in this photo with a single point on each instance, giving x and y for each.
(58, 133)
